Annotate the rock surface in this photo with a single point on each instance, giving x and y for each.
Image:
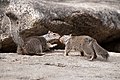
(98, 19)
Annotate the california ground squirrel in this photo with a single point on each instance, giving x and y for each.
(33, 45)
(85, 44)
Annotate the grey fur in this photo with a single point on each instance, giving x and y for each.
(33, 45)
(84, 44)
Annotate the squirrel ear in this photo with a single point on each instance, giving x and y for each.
(70, 34)
(49, 31)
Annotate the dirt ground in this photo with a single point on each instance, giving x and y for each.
(55, 66)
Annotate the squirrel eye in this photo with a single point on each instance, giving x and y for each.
(17, 22)
(54, 34)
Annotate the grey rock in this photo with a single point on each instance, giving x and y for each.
(98, 19)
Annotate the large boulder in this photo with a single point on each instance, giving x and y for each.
(98, 20)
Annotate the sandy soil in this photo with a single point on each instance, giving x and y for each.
(55, 66)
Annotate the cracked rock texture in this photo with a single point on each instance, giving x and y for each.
(99, 19)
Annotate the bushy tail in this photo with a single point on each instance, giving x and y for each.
(99, 50)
